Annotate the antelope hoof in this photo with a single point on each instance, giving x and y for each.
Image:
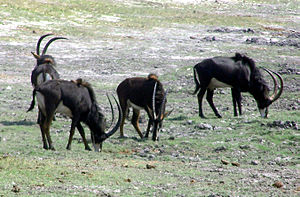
(52, 148)
(123, 137)
(155, 139)
(88, 148)
(202, 116)
(144, 139)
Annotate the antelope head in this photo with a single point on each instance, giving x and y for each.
(267, 100)
(160, 115)
(43, 58)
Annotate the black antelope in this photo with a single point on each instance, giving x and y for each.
(77, 100)
(44, 69)
(143, 93)
(241, 75)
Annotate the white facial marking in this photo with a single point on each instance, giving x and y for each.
(214, 83)
(97, 147)
(134, 105)
(262, 112)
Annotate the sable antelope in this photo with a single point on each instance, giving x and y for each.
(44, 69)
(241, 75)
(143, 93)
(77, 100)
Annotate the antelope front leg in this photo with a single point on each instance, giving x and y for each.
(150, 122)
(81, 131)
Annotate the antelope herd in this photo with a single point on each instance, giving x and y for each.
(77, 100)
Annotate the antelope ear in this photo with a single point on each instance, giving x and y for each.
(48, 60)
(35, 55)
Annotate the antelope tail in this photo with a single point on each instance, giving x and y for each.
(33, 101)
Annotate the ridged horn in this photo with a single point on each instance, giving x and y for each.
(153, 101)
(112, 111)
(39, 43)
(275, 94)
(281, 87)
(49, 42)
(163, 103)
(111, 132)
(274, 81)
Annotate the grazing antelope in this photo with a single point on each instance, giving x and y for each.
(77, 100)
(143, 93)
(44, 69)
(241, 75)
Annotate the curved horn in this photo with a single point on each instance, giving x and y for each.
(49, 42)
(153, 101)
(39, 43)
(163, 103)
(275, 95)
(112, 111)
(110, 133)
(275, 83)
(281, 87)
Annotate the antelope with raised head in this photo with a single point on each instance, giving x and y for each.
(241, 75)
(143, 93)
(44, 69)
(77, 100)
